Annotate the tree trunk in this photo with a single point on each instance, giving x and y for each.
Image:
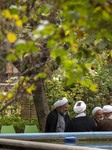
(41, 104)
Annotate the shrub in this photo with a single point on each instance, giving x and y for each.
(18, 122)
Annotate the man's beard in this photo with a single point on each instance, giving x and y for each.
(63, 112)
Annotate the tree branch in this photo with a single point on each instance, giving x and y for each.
(31, 6)
(14, 99)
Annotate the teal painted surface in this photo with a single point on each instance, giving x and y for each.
(31, 129)
(7, 129)
(67, 134)
(54, 136)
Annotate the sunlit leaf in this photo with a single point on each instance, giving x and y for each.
(16, 17)
(24, 83)
(10, 95)
(33, 88)
(11, 57)
(75, 47)
(29, 90)
(24, 19)
(68, 64)
(70, 77)
(97, 9)
(67, 32)
(106, 15)
(111, 53)
(11, 37)
(23, 8)
(58, 52)
(42, 75)
(94, 88)
(7, 14)
(19, 23)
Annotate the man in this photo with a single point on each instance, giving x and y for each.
(58, 118)
(106, 124)
(81, 122)
(97, 114)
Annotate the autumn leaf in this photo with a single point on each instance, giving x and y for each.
(7, 14)
(11, 37)
(19, 23)
(10, 95)
(16, 17)
(29, 90)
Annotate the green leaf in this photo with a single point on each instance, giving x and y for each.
(58, 52)
(106, 15)
(24, 19)
(70, 77)
(13, 10)
(42, 75)
(94, 87)
(11, 57)
(58, 60)
(68, 64)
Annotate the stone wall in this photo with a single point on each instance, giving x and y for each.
(28, 109)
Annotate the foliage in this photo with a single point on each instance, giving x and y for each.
(18, 122)
(39, 36)
(73, 38)
(101, 71)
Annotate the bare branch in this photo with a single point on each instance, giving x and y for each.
(31, 6)
(9, 103)
(15, 99)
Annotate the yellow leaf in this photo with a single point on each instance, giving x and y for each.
(17, 85)
(16, 17)
(75, 47)
(107, 7)
(19, 23)
(11, 37)
(24, 83)
(67, 32)
(111, 53)
(94, 88)
(92, 54)
(12, 50)
(7, 14)
(29, 90)
(44, 14)
(106, 15)
(10, 95)
(97, 9)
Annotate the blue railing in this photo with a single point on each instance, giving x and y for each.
(59, 135)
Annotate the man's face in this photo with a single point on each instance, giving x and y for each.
(106, 115)
(63, 109)
(99, 115)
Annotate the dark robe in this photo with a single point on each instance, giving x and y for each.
(96, 122)
(52, 119)
(81, 124)
(105, 125)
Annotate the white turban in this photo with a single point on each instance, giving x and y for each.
(95, 110)
(61, 102)
(79, 107)
(107, 109)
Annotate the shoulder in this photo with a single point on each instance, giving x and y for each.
(67, 116)
(82, 118)
(53, 113)
(106, 121)
(74, 120)
(89, 118)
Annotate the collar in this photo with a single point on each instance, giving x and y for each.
(110, 117)
(97, 120)
(80, 115)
